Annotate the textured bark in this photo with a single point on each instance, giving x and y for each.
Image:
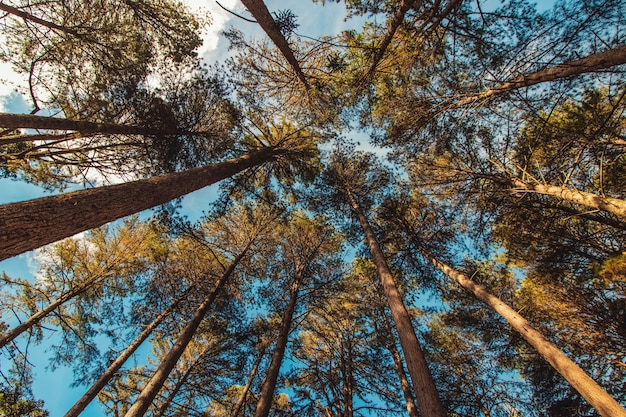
(423, 385)
(31, 224)
(269, 385)
(244, 393)
(29, 121)
(591, 63)
(170, 398)
(106, 376)
(152, 388)
(35, 318)
(587, 387)
(612, 205)
(411, 408)
(264, 18)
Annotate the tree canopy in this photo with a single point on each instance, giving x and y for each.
(465, 257)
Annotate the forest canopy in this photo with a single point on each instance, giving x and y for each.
(465, 257)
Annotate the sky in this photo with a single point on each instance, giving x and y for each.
(315, 20)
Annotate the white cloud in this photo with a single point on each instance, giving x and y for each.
(219, 19)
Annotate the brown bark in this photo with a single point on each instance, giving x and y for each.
(587, 387)
(170, 398)
(591, 63)
(423, 385)
(152, 388)
(244, 393)
(27, 16)
(56, 138)
(612, 205)
(35, 318)
(347, 370)
(390, 345)
(30, 224)
(28, 121)
(264, 18)
(106, 376)
(269, 385)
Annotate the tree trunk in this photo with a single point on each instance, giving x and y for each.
(393, 26)
(612, 205)
(591, 63)
(423, 385)
(29, 121)
(31, 224)
(269, 385)
(150, 391)
(242, 398)
(264, 18)
(170, 398)
(348, 378)
(56, 138)
(587, 387)
(27, 16)
(411, 408)
(106, 376)
(35, 318)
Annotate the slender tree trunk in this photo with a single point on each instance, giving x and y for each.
(587, 387)
(27, 16)
(269, 385)
(56, 138)
(244, 393)
(612, 205)
(29, 121)
(264, 18)
(35, 318)
(390, 345)
(393, 26)
(170, 398)
(31, 224)
(425, 390)
(150, 391)
(106, 376)
(348, 377)
(591, 63)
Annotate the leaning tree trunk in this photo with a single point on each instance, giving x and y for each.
(423, 385)
(393, 26)
(264, 18)
(591, 63)
(106, 376)
(35, 318)
(27, 16)
(170, 398)
(390, 345)
(269, 385)
(54, 137)
(244, 393)
(611, 205)
(14, 121)
(587, 387)
(31, 224)
(150, 391)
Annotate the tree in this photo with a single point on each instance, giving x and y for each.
(351, 176)
(22, 231)
(72, 50)
(86, 268)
